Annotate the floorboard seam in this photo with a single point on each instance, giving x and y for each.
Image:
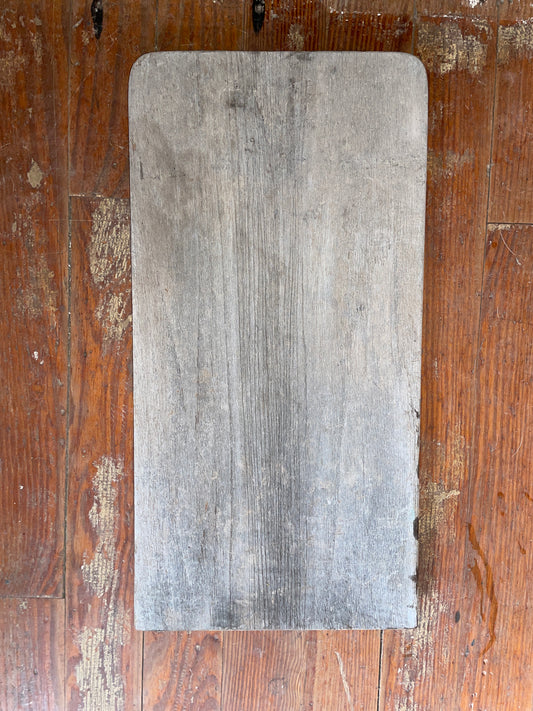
(141, 704)
(380, 669)
(68, 403)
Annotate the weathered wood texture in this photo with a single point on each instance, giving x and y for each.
(511, 181)
(503, 573)
(33, 275)
(277, 272)
(31, 654)
(340, 27)
(274, 670)
(511, 10)
(199, 25)
(103, 649)
(459, 8)
(300, 670)
(104, 45)
(432, 666)
(303, 26)
(104, 48)
(182, 670)
(346, 670)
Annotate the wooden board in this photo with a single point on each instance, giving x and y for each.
(31, 654)
(432, 667)
(106, 38)
(182, 670)
(458, 8)
(500, 492)
(33, 297)
(301, 670)
(304, 26)
(511, 187)
(104, 652)
(277, 347)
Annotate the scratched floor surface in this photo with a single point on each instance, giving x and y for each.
(67, 639)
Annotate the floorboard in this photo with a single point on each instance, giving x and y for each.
(104, 44)
(31, 654)
(268, 670)
(428, 667)
(346, 671)
(193, 25)
(499, 553)
(459, 8)
(475, 518)
(511, 190)
(303, 26)
(340, 28)
(300, 670)
(512, 10)
(33, 294)
(104, 652)
(182, 670)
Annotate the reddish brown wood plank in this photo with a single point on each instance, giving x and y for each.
(511, 10)
(31, 654)
(459, 8)
(104, 46)
(346, 671)
(33, 294)
(182, 670)
(511, 194)
(300, 670)
(104, 650)
(268, 670)
(430, 667)
(199, 25)
(303, 26)
(500, 526)
(369, 32)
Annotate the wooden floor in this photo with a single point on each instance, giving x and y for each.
(66, 531)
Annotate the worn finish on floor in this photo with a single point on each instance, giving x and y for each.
(78, 650)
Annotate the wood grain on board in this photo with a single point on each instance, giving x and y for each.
(272, 670)
(199, 25)
(487, 9)
(346, 670)
(33, 279)
(103, 649)
(431, 667)
(511, 190)
(493, 529)
(500, 491)
(31, 654)
(511, 10)
(300, 670)
(303, 26)
(276, 417)
(106, 39)
(182, 670)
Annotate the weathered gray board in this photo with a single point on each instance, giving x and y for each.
(277, 238)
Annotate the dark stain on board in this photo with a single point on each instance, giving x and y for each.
(416, 528)
(485, 584)
(97, 16)
(258, 14)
